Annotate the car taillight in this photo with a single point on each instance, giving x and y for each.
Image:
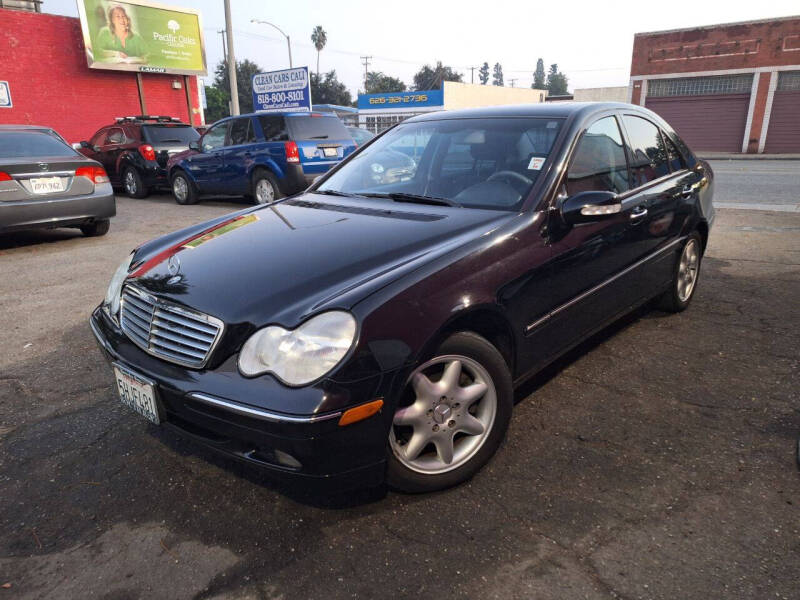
(4, 176)
(292, 154)
(94, 174)
(146, 150)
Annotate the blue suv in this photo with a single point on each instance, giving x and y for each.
(261, 155)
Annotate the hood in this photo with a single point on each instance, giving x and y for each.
(283, 262)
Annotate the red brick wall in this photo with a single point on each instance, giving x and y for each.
(738, 46)
(43, 60)
(759, 110)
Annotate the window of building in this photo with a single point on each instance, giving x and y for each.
(700, 86)
(788, 81)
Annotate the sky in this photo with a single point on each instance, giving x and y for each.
(590, 41)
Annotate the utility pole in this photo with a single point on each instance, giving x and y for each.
(366, 60)
(513, 81)
(224, 46)
(472, 74)
(231, 60)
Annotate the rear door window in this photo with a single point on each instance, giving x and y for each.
(274, 128)
(599, 161)
(317, 128)
(647, 150)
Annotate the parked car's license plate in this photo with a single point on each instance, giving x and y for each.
(137, 393)
(329, 151)
(47, 185)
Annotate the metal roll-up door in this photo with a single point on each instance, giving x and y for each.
(783, 132)
(709, 113)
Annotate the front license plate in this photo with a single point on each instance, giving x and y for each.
(329, 152)
(47, 185)
(137, 394)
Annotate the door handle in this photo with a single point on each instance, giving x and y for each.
(638, 213)
(687, 191)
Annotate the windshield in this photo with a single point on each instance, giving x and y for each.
(30, 144)
(165, 134)
(478, 163)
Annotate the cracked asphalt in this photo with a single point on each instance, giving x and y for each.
(655, 461)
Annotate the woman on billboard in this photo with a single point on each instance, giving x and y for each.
(117, 42)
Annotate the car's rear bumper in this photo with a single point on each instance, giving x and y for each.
(50, 212)
(311, 448)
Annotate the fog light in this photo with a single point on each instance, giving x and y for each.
(287, 460)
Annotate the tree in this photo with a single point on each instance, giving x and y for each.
(244, 81)
(556, 81)
(497, 74)
(483, 73)
(320, 38)
(538, 76)
(217, 101)
(431, 78)
(329, 90)
(379, 83)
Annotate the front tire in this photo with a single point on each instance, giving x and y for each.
(452, 416)
(183, 189)
(133, 184)
(685, 276)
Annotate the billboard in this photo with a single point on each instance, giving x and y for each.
(289, 89)
(401, 99)
(137, 35)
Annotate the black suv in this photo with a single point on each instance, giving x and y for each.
(134, 150)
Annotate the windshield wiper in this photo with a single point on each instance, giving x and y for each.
(332, 193)
(404, 197)
(318, 137)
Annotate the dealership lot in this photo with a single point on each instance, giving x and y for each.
(657, 461)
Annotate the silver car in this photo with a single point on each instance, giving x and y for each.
(45, 183)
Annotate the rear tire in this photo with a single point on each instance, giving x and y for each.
(265, 188)
(685, 276)
(183, 190)
(457, 406)
(96, 228)
(133, 184)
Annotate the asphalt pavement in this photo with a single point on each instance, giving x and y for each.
(655, 461)
(757, 184)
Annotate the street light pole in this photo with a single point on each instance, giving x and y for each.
(288, 41)
(231, 61)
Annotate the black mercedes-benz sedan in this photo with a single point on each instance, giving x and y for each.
(373, 328)
(44, 183)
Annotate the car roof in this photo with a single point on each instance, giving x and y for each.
(283, 114)
(542, 109)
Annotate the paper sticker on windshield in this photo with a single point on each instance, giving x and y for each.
(536, 163)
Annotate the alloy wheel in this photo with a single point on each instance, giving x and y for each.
(180, 188)
(453, 404)
(264, 191)
(687, 269)
(130, 182)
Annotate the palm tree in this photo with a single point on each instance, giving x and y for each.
(320, 38)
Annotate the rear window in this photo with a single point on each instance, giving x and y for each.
(165, 134)
(31, 144)
(317, 128)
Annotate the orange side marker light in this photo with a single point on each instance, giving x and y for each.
(359, 413)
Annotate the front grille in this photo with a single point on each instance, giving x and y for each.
(168, 331)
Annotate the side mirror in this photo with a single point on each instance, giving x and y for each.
(195, 145)
(586, 207)
(84, 144)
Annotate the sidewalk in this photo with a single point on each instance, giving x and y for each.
(740, 156)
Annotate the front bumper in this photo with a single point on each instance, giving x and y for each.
(226, 412)
(49, 212)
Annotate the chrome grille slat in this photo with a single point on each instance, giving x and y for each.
(181, 320)
(170, 332)
(195, 335)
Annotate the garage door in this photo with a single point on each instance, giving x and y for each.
(783, 132)
(709, 113)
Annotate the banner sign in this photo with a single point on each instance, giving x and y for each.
(287, 90)
(401, 100)
(137, 35)
(5, 95)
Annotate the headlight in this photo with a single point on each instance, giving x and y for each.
(115, 287)
(303, 355)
